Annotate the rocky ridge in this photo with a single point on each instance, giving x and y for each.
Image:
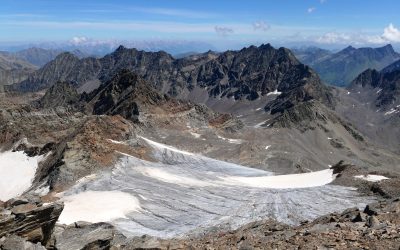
(250, 73)
(385, 83)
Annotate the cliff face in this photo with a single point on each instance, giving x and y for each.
(385, 84)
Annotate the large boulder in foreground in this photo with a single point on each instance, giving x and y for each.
(33, 222)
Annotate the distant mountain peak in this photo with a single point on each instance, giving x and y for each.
(388, 49)
(348, 49)
(341, 68)
(120, 48)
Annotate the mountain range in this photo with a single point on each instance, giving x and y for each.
(250, 73)
(341, 68)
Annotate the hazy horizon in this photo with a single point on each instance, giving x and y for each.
(222, 25)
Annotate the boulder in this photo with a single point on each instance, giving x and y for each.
(35, 223)
(88, 236)
(14, 242)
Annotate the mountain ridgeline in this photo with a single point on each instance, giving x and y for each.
(385, 84)
(341, 68)
(249, 73)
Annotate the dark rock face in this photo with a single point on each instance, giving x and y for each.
(122, 94)
(246, 74)
(341, 68)
(128, 95)
(392, 67)
(301, 116)
(31, 221)
(61, 94)
(388, 84)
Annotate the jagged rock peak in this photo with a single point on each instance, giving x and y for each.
(387, 48)
(120, 48)
(60, 94)
(124, 94)
(66, 55)
(369, 77)
(348, 49)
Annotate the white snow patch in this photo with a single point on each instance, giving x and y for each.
(258, 109)
(87, 178)
(258, 125)
(305, 180)
(165, 176)
(275, 92)
(234, 141)
(379, 90)
(17, 171)
(124, 154)
(195, 135)
(390, 112)
(42, 191)
(163, 146)
(371, 177)
(267, 147)
(115, 142)
(97, 206)
(144, 198)
(330, 138)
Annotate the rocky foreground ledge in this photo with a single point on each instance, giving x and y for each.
(377, 226)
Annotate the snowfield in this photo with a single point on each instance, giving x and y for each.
(17, 171)
(95, 206)
(182, 193)
(313, 179)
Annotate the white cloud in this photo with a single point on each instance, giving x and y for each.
(79, 40)
(350, 38)
(223, 31)
(261, 25)
(391, 33)
(334, 37)
(311, 9)
(322, 1)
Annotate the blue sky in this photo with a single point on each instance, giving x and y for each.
(327, 23)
